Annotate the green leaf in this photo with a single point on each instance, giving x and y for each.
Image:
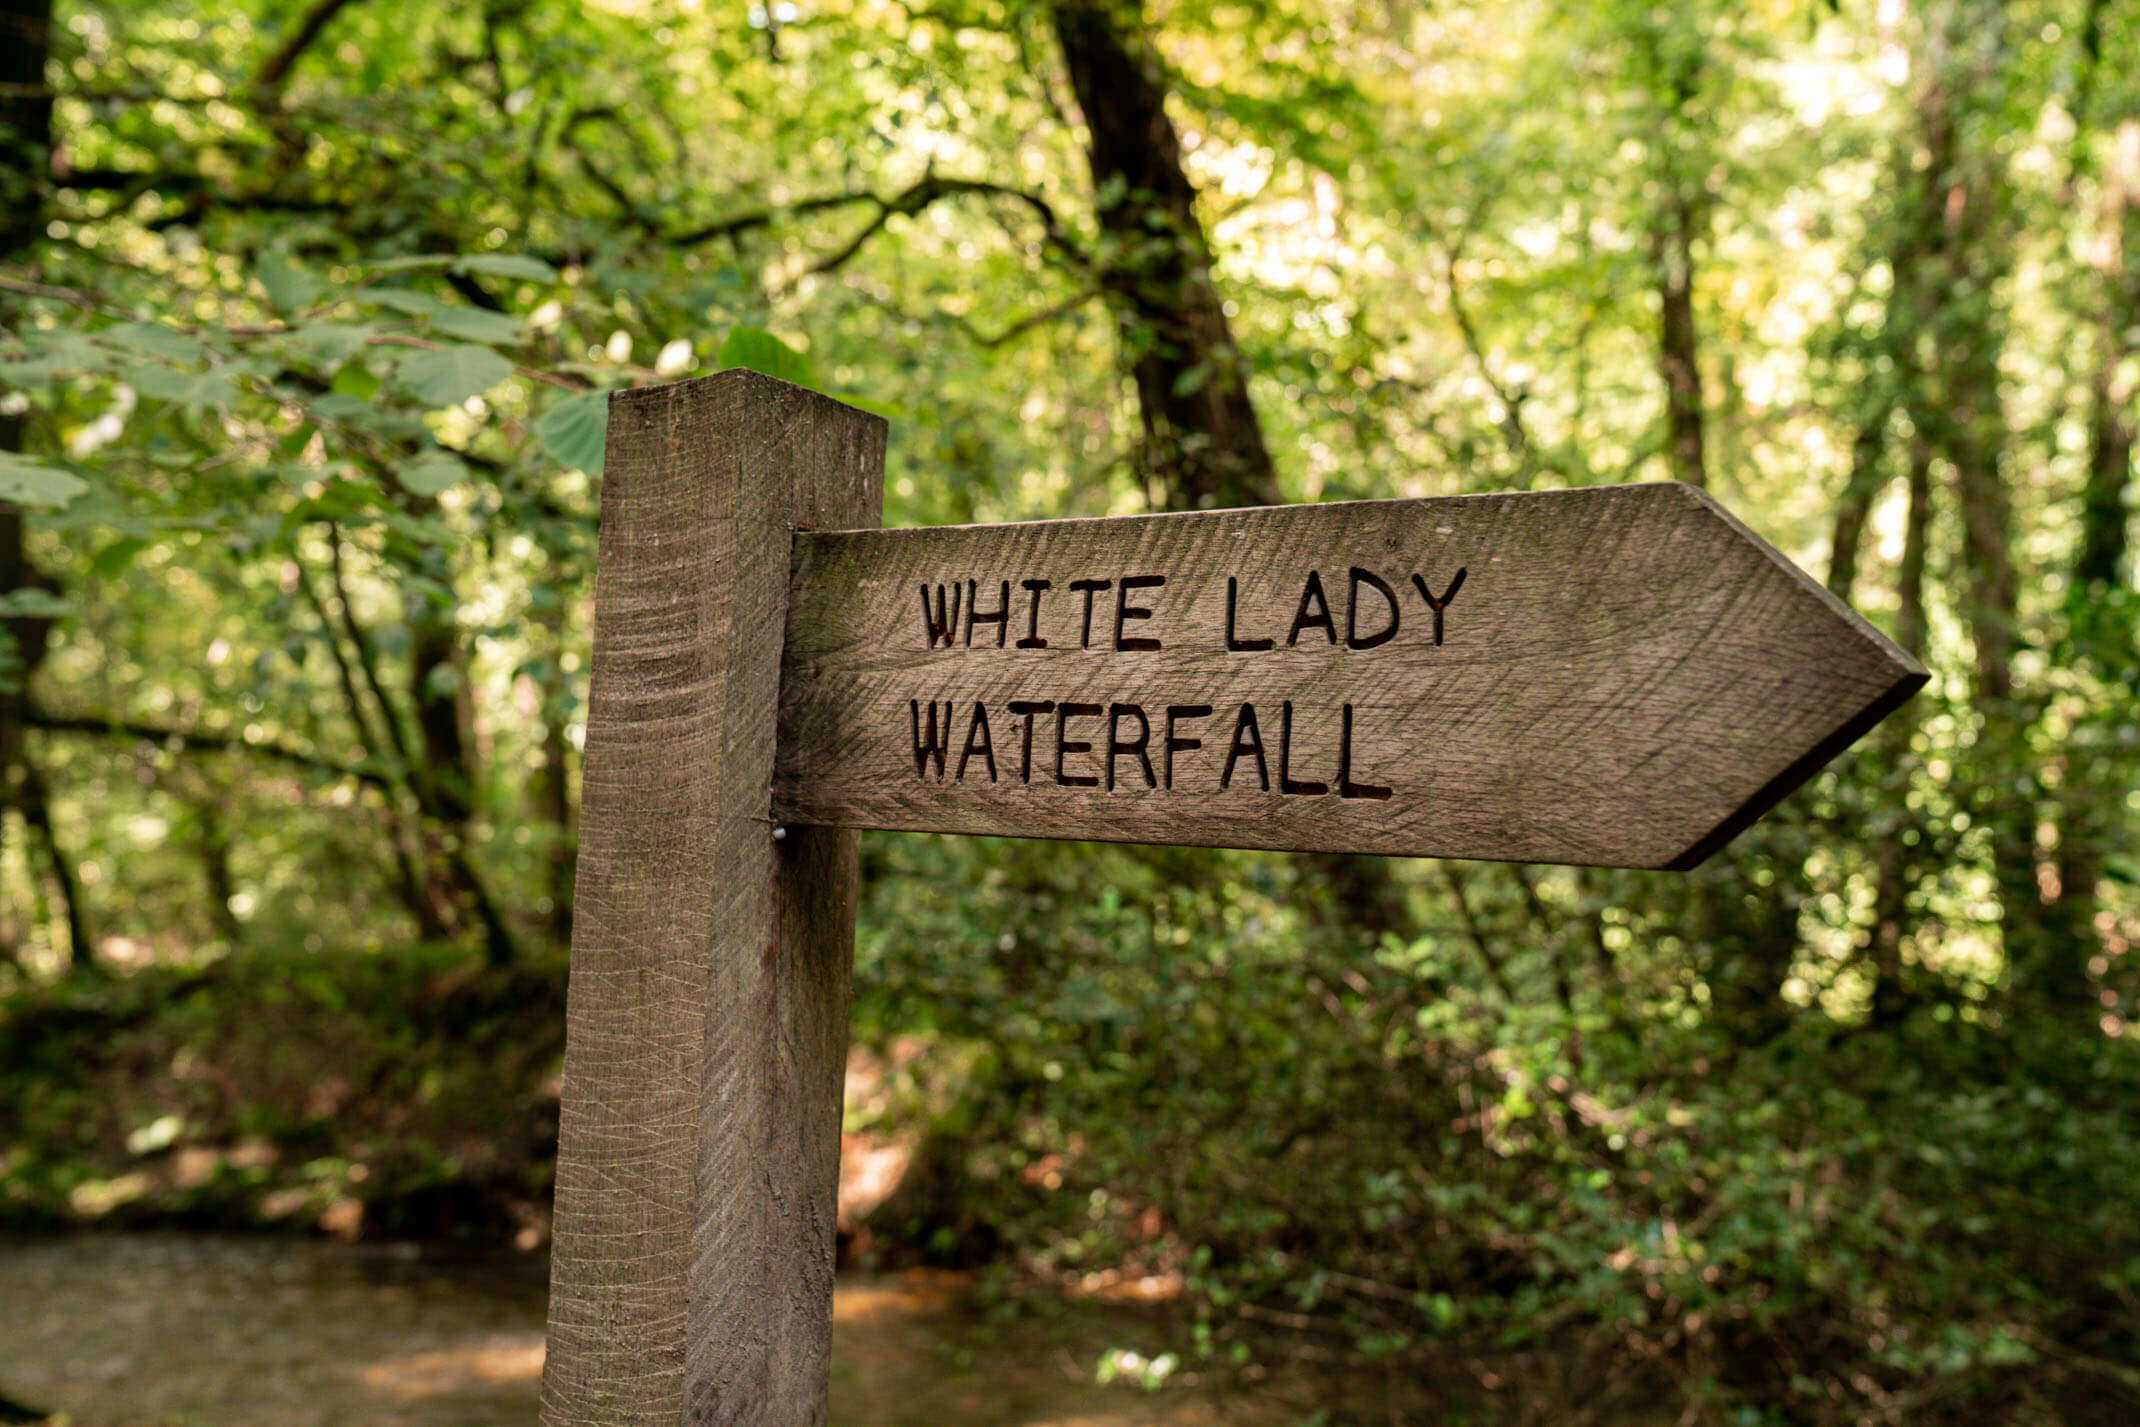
(115, 557)
(573, 431)
(289, 287)
(341, 407)
(400, 299)
(331, 343)
(476, 325)
(33, 604)
(55, 353)
(451, 375)
(152, 339)
(355, 380)
(760, 351)
(433, 472)
(471, 324)
(411, 261)
(379, 420)
(507, 265)
(28, 482)
(193, 390)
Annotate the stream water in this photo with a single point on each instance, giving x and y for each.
(199, 1331)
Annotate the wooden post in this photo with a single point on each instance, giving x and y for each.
(698, 1153)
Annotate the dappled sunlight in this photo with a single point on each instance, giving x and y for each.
(311, 313)
(439, 1372)
(917, 1293)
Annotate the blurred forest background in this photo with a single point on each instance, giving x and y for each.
(310, 307)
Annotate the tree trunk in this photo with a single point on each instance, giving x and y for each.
(2100, 607)
(34, 799)
(1202, 443)
(1669, 63)
(213, 843)
(435, 767)
(1678, 352)
(1963, 215)
(1966, 424)
(380, 739)
(25, 181)
(1893, 876)
(554, 791)
(1867, 479)
(1919, 250)
(25, 124)
(445, 773)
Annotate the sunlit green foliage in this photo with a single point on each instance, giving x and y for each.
(309, 356)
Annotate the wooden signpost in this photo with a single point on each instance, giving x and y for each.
(1619, 676)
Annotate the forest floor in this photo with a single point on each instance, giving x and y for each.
(189, 1330)
(243, 1198)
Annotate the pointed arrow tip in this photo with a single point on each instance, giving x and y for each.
(1909, 680)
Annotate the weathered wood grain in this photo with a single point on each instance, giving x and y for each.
(707, 1015)
(1624, 676)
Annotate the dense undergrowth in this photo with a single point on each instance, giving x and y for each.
(405, 1094)
(1193, 1089)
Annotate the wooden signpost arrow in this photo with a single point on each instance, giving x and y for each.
(1623, 676)
(1617, 676)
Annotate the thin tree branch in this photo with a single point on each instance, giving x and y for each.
(1027, 323)
(1479, 940)
(1513, 431)
(412, 890)
(638, 217)
(367, 660)
(929, 189)
(369, 736)
(269, 81)
(34, 801)
(207, 740)
(1563, 989)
